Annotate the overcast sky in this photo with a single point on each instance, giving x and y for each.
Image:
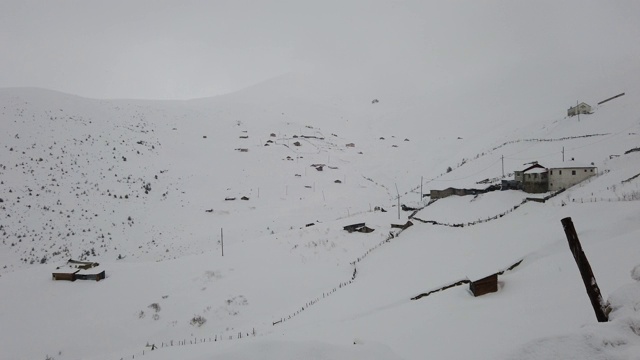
(179, 49)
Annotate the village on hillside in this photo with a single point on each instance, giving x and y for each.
(536, 177)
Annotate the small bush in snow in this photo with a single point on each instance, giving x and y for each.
(198, 320)
(635, 273)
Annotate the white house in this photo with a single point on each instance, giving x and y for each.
(539, 179)
(582, 108)
(567, 174)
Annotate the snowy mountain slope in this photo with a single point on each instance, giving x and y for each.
(182, 162)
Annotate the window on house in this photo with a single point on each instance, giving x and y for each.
(535, 176)
(591, 170)
(550, 172)
(573, 172)
(559, 172)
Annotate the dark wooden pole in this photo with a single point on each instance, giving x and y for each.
(585, 270)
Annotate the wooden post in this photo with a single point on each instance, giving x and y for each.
(398, 193)
(585, 270)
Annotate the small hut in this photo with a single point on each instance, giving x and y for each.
(484, 286)
(582, 108)
(79, 270)
(66, 274)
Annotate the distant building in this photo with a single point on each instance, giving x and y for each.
(565, 176)
(79, 270)
(582, 108)
(539, 179)
(507, 184)
(484, 286)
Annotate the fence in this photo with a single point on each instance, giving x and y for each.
(495, 217)
(341, 285)
(191, 341)
(463, 281)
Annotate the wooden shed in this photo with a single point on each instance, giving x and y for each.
(68, 275)
(365, 230)
(79, 270)
(359, 227)
(90, 275)
(485, 285)
(353, 227)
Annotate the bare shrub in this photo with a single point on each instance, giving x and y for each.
(198, 320)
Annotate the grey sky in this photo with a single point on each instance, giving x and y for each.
(181, 49)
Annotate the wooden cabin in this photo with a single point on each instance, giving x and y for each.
(79, 270)
(68, 274)
(485, 285)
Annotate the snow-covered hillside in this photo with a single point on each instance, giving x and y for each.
(146, 188)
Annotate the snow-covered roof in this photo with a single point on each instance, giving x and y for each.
(579, 105)
(536, 170)
(91, 271)
(73, 266)
(65, 270)
(568, 165)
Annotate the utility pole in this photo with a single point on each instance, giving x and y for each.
(563, 154)
(503, 166)
(222, 241)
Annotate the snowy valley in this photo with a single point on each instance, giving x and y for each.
(153, 190)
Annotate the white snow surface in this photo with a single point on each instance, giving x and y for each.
(140, 187)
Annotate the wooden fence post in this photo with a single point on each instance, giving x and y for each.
(585, 270)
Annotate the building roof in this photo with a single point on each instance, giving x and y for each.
(65, 270)
(536, 170)
(74, 266)
(569, 165)
(534, 166)
(92, 271)
(582, 103)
